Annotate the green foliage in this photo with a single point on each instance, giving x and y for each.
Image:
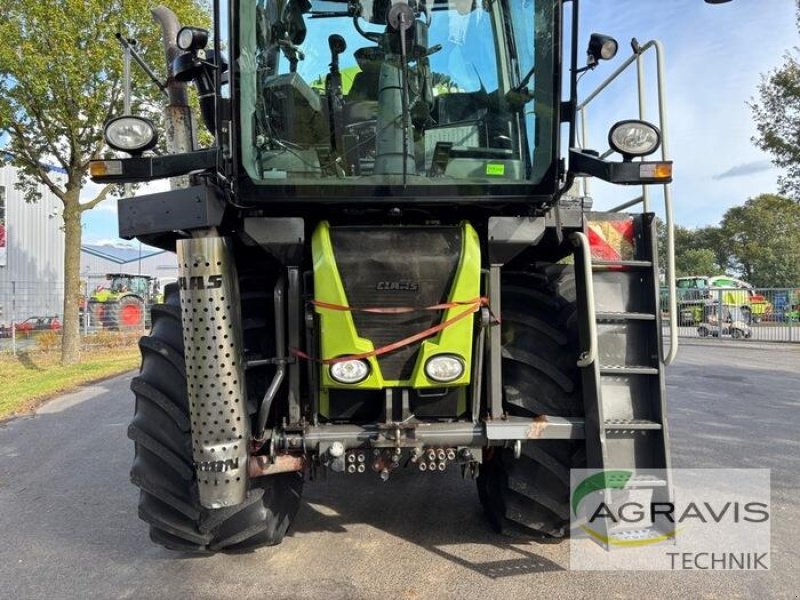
(61, 79)
(759, 242)
(697, 251)
(764, 237)
(696, 262)
(777, 114)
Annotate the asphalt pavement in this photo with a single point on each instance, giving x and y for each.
(68, 526)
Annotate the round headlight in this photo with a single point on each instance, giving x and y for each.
(634, 138)
(131, 134)
(602, 47)
(350, 371)
(192, 38)
(444, 368)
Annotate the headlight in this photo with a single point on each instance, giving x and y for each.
(192, 38)
(602, 47)
(350, 371)
(634, 138)
(444, 368)
(131, 134)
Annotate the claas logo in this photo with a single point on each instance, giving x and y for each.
(199, 282)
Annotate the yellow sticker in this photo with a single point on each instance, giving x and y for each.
(496, 170)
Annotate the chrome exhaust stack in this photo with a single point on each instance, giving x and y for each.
(212, 338)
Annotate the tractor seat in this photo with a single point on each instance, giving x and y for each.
(362, 99)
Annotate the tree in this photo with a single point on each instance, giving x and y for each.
(764, 236)
(697, 251)
(696, 262)
(60, 80)
(777, 114)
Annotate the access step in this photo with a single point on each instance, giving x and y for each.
(621, 317)
(630, 424)
(646, 482)
(627, 370)
(605, 265)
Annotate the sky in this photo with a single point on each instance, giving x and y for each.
(714, 58)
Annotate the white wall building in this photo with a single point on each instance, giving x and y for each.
(31, 251)
(133, 259)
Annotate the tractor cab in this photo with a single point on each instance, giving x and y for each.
(120, 284)
(372, 93)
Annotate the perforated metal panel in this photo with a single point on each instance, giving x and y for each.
(214, 370)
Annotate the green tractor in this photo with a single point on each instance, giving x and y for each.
(390, 273)
(121, 304)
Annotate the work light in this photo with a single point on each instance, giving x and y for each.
(634, 138)
(601, 47)
(130, 134)
(192, 39)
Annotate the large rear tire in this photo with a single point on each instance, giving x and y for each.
(162, 467)
(125, 314)
(529, 496)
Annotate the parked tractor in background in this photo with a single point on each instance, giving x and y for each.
(121, 304)
(395, 273)
(696, 293)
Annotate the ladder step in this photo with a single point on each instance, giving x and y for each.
(621, 535)
(627, 370)
(602, 265)
(630, 424)
(625, 316)
(646, 481)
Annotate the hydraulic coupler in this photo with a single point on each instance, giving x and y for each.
(212, 338)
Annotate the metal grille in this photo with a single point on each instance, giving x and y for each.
(214, 370)
(738, 315)
(391, 267)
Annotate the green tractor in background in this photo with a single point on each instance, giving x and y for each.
(121, 304)
(696, 293)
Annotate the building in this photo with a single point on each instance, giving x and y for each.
(31, 251)
(132, 259)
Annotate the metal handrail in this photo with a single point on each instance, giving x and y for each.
(637, 58)
(589, 356)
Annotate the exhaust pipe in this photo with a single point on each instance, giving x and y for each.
(215, 373)
(177, 114)
(260, 466)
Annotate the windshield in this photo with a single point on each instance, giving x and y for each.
(692, 283)
(334, 91)
(128, 283)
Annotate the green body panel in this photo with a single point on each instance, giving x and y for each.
(339, 337)
(104, 295)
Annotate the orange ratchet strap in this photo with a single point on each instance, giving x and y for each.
(475, 304)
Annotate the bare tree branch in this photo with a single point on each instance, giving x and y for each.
(98, 199)
(41, 171)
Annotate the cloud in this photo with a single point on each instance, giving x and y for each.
(107, 206)
(745, 169)
(111, 242)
